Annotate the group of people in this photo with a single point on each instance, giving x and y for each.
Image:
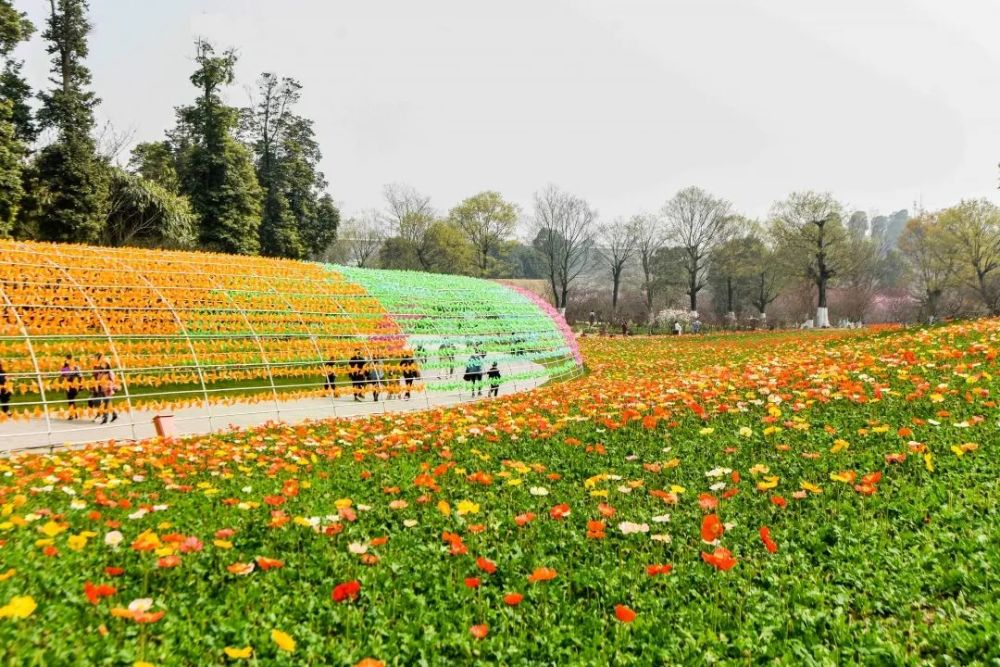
(102, 389)
(474, 375)
(369, 375)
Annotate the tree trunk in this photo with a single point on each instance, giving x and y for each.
(616, 278)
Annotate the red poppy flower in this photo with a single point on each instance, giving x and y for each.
(624, 614)
(112, 571)
(480, 631)
(769, 544)
(721, 559)
(779, 501)
(224, 533)
(95, 592)
(711, 528)
(472, 582)
(486, 565)
(653, 570)
(275, 500)
(346, 591)
(512, 599)
(524, 519)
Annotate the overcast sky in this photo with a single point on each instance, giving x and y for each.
(884, 103)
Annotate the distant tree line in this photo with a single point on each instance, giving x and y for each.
(228, 179)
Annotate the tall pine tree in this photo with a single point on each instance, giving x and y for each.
(69, 179)
(216, 171)
(298, 219)
(16, 130)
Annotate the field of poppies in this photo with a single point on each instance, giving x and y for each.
(826, 497)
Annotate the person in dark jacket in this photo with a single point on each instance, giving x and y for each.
(5, 392)
(356, 371)
(330, 383)
(410, 373)
(494, 376)
(73, 378)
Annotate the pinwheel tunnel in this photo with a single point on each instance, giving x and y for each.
(93, 338)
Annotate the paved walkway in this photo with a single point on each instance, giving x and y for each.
(33, 435)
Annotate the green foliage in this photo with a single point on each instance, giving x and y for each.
(298, 219)
(144, 213)
(217, 174)
(486, 220)
(71, 184)
(16, 128)
(156, 161)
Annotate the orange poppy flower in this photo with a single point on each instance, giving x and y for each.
(486, 565)
(479, 631)
(266, 563)
(653, 570)
(524, 519)
(721, 559)
(560, 511)
(542, 574)
(512, 599)
(711, 528)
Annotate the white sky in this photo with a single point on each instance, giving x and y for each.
(882, 102)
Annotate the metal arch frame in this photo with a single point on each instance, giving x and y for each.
(34, 362)
(111, 341)
(305, 327)
(184, 330)
(256, 338)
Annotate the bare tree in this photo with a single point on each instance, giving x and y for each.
(564, 229)
(813, 240)
(650, 239)
(615, 246)
(696, 221)
(359, 240)
(408, 213)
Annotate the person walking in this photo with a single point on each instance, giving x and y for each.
(356, 372)
(330, 383)
(5, 392)
(72, 378)
(376, 374)
(106, 386)
(447, 354)
(474, 373)
(410, 373)
(494, 376)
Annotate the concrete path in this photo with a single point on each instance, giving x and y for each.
(33, 435)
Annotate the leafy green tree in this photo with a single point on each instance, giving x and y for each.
(217, 172)
(157, 161)
(813, 240)
(732, 275)
(445, 249)
(973, 229)
(933, 259)
(141, 212)
(487, 221)
(16, 129)
(298, 218)
(70, 179)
